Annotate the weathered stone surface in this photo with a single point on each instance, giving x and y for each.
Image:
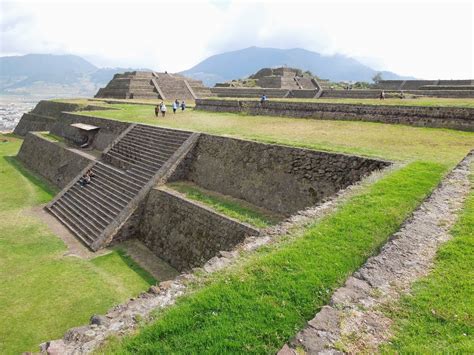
(353, 320)
(53, 161)
(326, 319)
(187, 234)
(99, 320)
(56, 347)
(286, 350)
(124, 318)
(279, 178)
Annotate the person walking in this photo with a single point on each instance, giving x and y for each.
(163, 109)
(183, 105)
(157, 110)
(175, 105)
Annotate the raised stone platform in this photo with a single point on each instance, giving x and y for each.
(152, 85)
(461, 118)
(136, 159)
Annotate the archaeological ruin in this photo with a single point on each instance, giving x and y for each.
(152, 85)
(286, 82)
(133, 164)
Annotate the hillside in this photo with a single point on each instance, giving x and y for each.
(241, 63)
(47, 75)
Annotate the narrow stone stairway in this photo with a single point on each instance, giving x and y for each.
(123, 176)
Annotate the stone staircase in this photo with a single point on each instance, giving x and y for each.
(174, 87)
(128, 169)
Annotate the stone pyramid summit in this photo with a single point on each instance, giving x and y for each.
(153, 85)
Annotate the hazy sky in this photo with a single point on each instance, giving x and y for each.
(427, 39)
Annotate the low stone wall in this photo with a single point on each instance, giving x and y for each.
(109, 129)
(374, 94)
(278, 178)
(56, 117)
(249, 92)
(51, 160)
(31, 122)
(186, 234)
(441, 117)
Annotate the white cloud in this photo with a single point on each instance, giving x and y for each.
(421, 38)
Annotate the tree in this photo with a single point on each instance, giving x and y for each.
(377, 78)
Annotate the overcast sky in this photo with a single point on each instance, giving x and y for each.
(427, 39)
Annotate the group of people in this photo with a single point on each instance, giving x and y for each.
(162, 107)
(86, 178)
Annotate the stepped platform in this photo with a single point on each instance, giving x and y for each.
(153, 85)
(123, 175)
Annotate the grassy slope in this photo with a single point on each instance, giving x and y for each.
(439, 316)
(226, 205)
(371, 139)
(261, 304)
(42, 292)
(284, 287)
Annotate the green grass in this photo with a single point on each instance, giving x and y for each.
(52, 137)
(257, 306)
(396, 142)
(42, 292)
(439, 314)
(231, 207)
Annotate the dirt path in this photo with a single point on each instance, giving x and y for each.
(352, 322)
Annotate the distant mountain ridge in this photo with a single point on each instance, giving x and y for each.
(242, 63)
(53, 75)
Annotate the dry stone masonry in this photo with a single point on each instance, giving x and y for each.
(461, 118)
(123, 177)
(353, 320)
(152, 85)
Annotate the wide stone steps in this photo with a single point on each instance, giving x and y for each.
(123, 172)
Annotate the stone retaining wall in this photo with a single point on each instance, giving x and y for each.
(248, 92)
(109, 129)
(374, 94)
(187, 234)
(278, 178)
(56, 163)
(57, 118)
(440, 117)
(46, 113)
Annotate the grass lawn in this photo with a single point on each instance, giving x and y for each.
(257, 306)
(42, 292)
(260, 303)
(439, 315)
(227, 205)
(395, 142)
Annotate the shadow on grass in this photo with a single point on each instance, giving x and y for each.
(35, 179)
(144, 275)
(114, 261)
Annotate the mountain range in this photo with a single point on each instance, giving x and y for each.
(242, 63)
(50, 75)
